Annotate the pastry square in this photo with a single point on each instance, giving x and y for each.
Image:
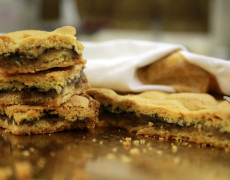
(48, 88)
(193, 117)
(30, 51)
(80, 112)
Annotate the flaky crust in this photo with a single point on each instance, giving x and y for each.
(79, 109)
(34, 42)
(44, 80)
(184, 109)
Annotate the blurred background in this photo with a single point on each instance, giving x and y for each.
(203, 26)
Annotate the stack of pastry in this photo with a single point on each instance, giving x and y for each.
(42, 83)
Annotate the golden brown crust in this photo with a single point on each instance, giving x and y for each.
(34, 42)
(201, 111)
(174, 70)
(44, 80)
(78, 112)
(46, 99)
(30, 51)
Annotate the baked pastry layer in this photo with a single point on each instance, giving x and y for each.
(194, 117)
(51, 87)
(79, 112)
(174, 70)
(33, 50)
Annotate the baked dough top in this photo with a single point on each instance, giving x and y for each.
(34, 42)
(80, 107)
(184, 109)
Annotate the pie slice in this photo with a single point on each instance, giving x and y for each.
(193, 117)
(49, 88)
(80, 112)
(32, 50)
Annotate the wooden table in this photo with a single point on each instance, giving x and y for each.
(105, 154)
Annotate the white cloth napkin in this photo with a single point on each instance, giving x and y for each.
(113, 64)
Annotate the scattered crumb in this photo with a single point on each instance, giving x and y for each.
(125, 159)
(159, 152)
(176, 160)
(136, 142)
(94, 140)
(83, 137)
(121, 141)
(185, 143)
(41, 163)
(142, 141)
(134, 151)
(161, 139)
(5, 173)
(146, 136)
(174, 148)
(52, 154)
(150, 148)
(32, 149)
(101, 142)
(150, 123)
(148, 145)
(50, 134)
(23, 170)
(114, 149)
(128, 138)
(144, 150)
(26, 153)
(110, 156)
(126, 144)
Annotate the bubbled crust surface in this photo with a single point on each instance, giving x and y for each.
(34, 42)
(184, 109)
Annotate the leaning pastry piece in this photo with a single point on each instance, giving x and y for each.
(80, 112)
(32, 50)
(48, 88)
(192, 117)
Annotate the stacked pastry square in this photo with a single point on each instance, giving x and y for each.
(42, 83)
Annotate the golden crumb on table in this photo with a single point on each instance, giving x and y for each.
(23, 170)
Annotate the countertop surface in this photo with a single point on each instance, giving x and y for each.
(107, 154)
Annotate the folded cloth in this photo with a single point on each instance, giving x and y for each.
(136, 66)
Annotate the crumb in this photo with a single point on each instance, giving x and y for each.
(134, 151)
(32, 149)
(94, 140)
(161, 139)
(50, 134)
(150, 123)
(126, 144)
(159, 152)
(148, 145)
(128, 138)
(136, 142)
(125, 159)
(5, 173)
(146, 136)
(142, 141)
(41, 163)
(110, 156)
(114, 149)
(26, 153)
(52, 154)
(83, 137)
(144, 150)
(101, 142)
(174, 148)
(23, 170)
(150, 148)
(176, 160)
(185, 143)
